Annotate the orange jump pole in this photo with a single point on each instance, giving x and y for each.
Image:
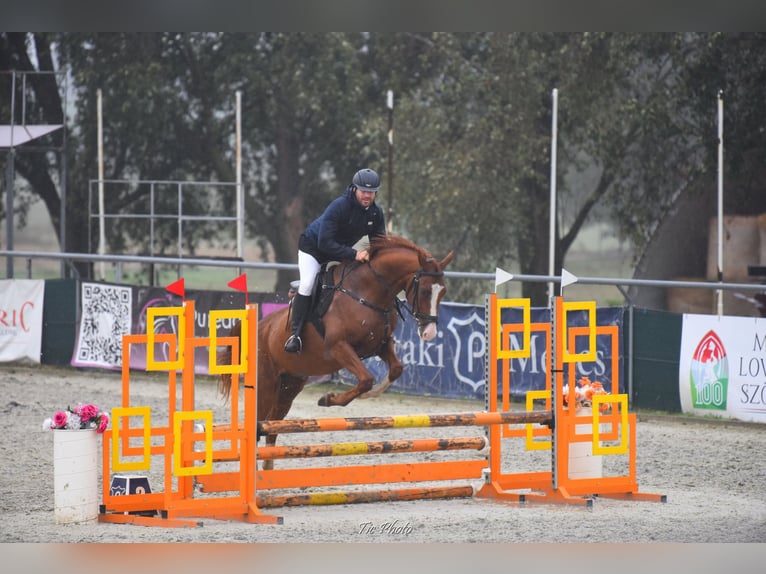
(317, 499)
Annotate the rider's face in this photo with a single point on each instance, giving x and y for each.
(365, 197)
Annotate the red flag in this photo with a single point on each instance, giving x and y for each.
(240, 284)
(177, 288)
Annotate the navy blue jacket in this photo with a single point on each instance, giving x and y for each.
(343, 223)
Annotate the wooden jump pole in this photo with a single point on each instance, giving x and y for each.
(327, 498)
(403, 421)
(362, 448)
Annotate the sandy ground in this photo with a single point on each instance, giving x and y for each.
(712, 473)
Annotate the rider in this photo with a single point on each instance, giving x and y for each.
(331, 236)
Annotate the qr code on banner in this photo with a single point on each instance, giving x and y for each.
(106, 317)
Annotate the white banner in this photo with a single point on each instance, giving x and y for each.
(722, 368)
(21, 319)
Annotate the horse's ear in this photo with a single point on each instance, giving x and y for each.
(446, 260)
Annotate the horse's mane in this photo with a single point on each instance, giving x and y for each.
(383, 242)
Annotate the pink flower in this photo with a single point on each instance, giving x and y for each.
(87, 412)
(59, 419)
(103, 423)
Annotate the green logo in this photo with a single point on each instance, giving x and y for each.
(709, 375)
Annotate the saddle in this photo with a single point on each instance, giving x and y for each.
(321, 295)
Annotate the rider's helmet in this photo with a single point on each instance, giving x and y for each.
(366, 180)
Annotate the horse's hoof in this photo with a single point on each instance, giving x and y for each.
(325, 400)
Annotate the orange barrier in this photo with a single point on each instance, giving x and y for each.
(173, 441)
(556, 485)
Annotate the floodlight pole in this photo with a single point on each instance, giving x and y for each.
(10, 176)
(390, 183)
(552, 230)
(719, 293)
(240, 194)
(101, 225)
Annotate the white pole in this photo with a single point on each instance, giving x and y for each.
(101, 226)
(552, 235)
(720, 200)
(240, 194)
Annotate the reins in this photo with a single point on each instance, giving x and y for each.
(382, 310)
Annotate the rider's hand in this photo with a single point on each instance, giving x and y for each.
(362, 255)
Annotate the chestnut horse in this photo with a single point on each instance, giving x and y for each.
(358, 323)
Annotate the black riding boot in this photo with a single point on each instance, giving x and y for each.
(299, 311)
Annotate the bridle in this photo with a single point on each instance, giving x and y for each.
(421, 318)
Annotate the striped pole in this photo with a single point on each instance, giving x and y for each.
(402, 421)
(382, 447)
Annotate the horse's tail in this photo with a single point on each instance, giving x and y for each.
(224, 358)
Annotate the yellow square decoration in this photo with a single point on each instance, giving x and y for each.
(178, 418)
(573, 357)
(524, 351)
(622, 401)
(117, 414)
(152, 313)
(532, 444)
(213, 367)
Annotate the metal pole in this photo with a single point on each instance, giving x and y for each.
(720, 200)
(63, 176)
(390, 104)
(9, 177)
(101, 223)
(240, 194)
(552, 230)
(631, 331)
(9, 174)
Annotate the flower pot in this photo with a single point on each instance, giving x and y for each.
(582, 462)
(75, 475)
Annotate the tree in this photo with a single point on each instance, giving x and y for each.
(473, 129)
(629, 141)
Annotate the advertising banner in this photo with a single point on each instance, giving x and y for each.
(21, 319)
(722, 368)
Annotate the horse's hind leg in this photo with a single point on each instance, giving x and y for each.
(346, 356)
(288, 388)
(388, 355)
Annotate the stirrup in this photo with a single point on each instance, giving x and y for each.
(294, 344)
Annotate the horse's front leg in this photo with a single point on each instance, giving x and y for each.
(345, 355)
(388, 356)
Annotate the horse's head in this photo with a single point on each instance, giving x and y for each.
(425, 292)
